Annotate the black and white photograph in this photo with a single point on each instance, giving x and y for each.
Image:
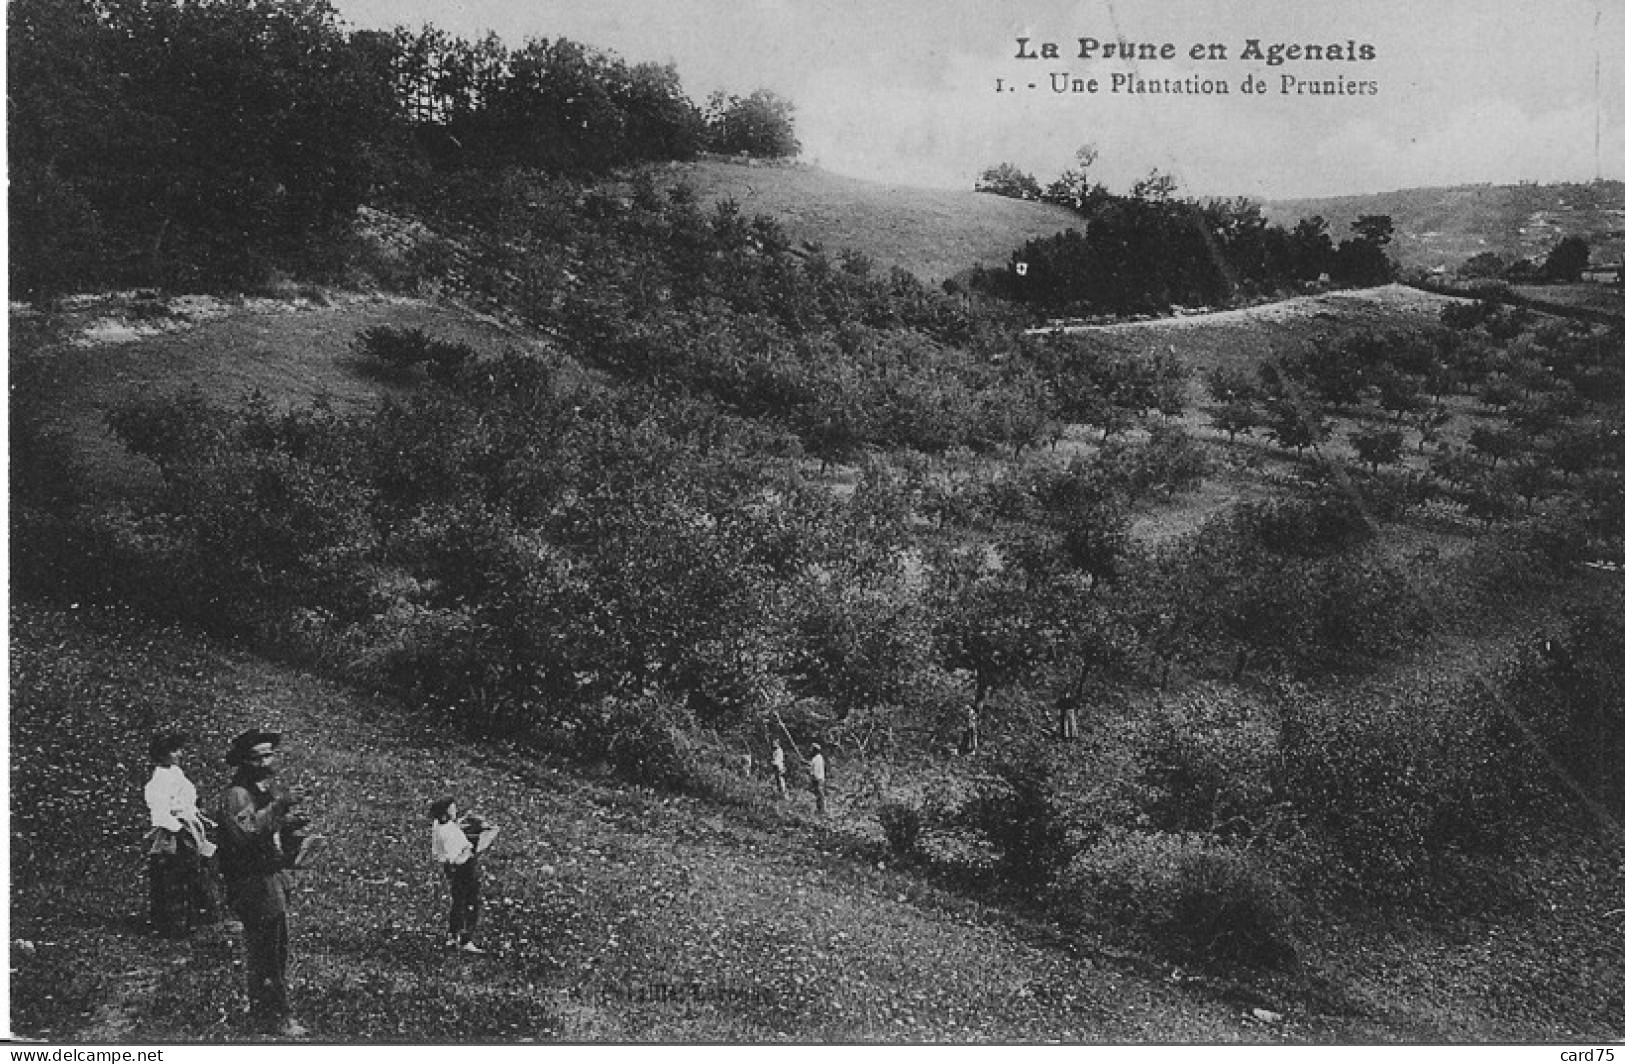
(751, 523)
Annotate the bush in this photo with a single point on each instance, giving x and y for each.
(396, 352)
(1319, 522)
(1189, 891)
(645, 740)
(1204, 766)
(902, 824)
(1019, 811)
(1415, 797)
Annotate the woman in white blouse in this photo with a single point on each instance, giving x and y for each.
(181, 881)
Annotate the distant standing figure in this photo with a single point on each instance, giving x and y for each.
(816, 772)
(180, 878)
(778, 770)
(454, 850)
(259, 844)
(969, 738)
(1069, 722)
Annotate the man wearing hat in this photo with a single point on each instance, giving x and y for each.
(258, 845)
(816, 772)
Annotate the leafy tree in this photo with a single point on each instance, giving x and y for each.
(554, 109)
(1072, 188)
(1298, 425)
(1455, 465)
(1499, 391)
(661, 122)
(864, 644)
(1485, 264)
(1399, 393)
(206, 138)
(1235, 416)
(1378, 447)
(761, 124)
(994, 624)
(1311, 249)
(1006, 179)
(1377, 229)
(1361, 261)
(1565, 262)
(1529, 479)
(1430, 426)
(1495, 443)
(1579, 448)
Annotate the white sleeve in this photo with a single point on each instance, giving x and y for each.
(161, 804)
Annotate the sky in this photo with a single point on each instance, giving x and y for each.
(905, 91)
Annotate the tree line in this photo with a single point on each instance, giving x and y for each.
(1152, 249)
(196, 144)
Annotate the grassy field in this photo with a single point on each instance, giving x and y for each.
(621, 914)
(933, 233)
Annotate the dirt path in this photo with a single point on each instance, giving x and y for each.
(1390, 298)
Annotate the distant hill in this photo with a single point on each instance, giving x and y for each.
(933, 233)
(1446, 226)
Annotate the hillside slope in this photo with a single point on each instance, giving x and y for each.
(932, 233)
(618, 913)
(1446, 226)
(613, 913)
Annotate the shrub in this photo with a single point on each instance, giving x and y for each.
(394, 351)
(1415, 796)
(1319, 521)
(1189, 891)
(1018, 810)
(902, 824)
(1389, 494)
(645, 740)
(1204, 766)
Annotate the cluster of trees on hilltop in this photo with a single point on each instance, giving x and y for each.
(1152, 249)
(166, 142)
(1564, 264)
(565, 107)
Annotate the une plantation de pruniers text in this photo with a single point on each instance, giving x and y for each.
(1136, 83)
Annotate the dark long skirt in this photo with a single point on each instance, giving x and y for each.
(182, 890)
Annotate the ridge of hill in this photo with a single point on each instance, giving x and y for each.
(935, 234)
(1446, 226)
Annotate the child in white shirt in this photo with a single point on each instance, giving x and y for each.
(452, 849)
